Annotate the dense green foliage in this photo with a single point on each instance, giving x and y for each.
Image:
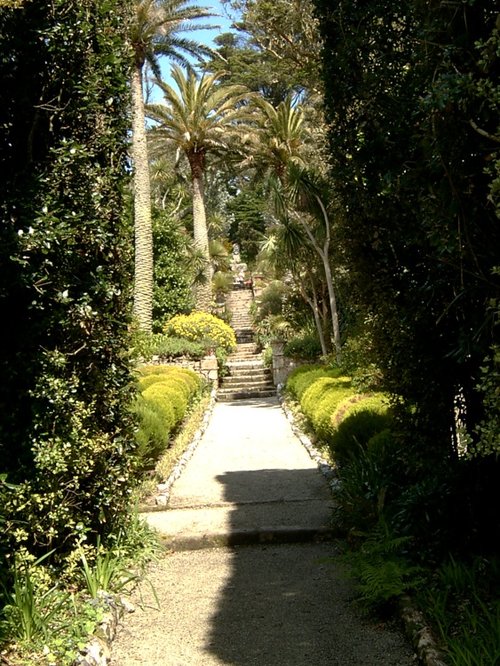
(65, 435)
(413, 101)
(172, 275)
(421, 234)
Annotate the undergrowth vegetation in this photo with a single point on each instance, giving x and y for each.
(400, 527)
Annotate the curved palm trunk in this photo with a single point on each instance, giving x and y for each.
(203, 290)
(143, 276)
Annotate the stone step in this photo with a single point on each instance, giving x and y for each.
(244, 356)
(247, 363)
(228, 396)
(244, 375)
(251, 352)
(261, 378)
(247, 347)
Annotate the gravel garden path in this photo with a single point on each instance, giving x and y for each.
(251, 574)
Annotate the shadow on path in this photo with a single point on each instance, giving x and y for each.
(291, 604)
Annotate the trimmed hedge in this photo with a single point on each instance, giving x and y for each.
(320, 400)
(302, 377)
(165, 395)
(356, 430)
(341, 418)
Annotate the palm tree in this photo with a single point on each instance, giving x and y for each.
(279, 151)
(277, 140)
(203, 116)
(156, 30)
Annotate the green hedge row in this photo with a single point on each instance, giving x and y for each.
(165, 393)
(341, 418)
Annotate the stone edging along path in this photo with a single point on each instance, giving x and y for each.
(97, 652)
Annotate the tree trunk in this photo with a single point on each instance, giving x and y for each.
(143, 277)
(202, 290)
(312, 301)
(323, 253)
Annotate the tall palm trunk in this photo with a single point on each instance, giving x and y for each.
(143, 278)
(202, 290)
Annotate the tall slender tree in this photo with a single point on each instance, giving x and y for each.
(158, 29)
(280, 152)
(203, 116)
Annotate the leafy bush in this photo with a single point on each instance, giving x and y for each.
(173, 274)
(66, 429)
(166, 392)
(204, 328)
(320, 400)
(167, 347)
(356, 430)
(306, 347)
(302, 377)
(153, 431)
(270, 301)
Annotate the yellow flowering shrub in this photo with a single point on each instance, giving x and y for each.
(202, 327)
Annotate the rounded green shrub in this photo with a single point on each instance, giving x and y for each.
(377, 402)
(152, 434)
(301, 378)
(355, 431)
(162, 405)
(160, 372)
(320, 388)
(322, 404)
(169, 379)
(166, 391)
(202, 327)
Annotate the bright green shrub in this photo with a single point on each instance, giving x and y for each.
(202, 327)
(294, 376)
(301, 378)
(170, 379)
(189, 377)
(165, 394)
(153, 432)
(321, 409)
(377, 402)
(355, 431)
(167, 391)
(161, 403)
(321, 387)
(151, 379)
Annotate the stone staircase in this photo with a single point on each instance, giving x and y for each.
(247, 376)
